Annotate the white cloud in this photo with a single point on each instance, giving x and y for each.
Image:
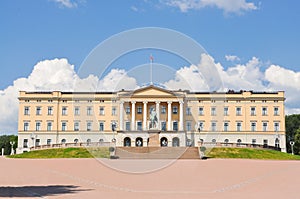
(59, 74)
(228, 6)
(56, 74)
(232, 58)
(248, 76)
(66, 3)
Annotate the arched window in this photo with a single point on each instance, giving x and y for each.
(127, 141)
(239, 141)
(213, 141)
(63, 141)
(226, 142)
(76, 141)
(88, 142)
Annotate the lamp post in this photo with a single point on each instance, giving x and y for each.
(12, 143)
(292, 143)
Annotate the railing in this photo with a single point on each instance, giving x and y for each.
(67, 145)
(241, 145)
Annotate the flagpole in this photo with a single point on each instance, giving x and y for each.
(151, 61)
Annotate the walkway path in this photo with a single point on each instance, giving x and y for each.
(89, 178)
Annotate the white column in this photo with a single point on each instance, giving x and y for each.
(157, 115)
(133, 115)
(121, 122)
(169, 116)
(181, 116)
(145, 116)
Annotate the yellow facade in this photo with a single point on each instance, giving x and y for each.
(55, 117)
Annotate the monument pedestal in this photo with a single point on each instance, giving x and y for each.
(154, 138)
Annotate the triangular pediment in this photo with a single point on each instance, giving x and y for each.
(153, 91)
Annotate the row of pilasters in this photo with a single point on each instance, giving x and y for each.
(145, 109)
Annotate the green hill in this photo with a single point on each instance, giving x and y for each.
(246, 153)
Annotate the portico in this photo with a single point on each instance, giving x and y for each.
(167, 108)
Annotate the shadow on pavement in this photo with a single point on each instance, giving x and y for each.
(39, 191)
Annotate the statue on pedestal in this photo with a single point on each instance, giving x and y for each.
(153, 119)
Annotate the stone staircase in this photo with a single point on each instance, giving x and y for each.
(157, 152)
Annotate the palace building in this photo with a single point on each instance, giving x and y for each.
(151, 116)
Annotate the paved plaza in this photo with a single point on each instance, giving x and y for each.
(92, 178)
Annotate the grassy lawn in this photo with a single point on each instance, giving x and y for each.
(246, 153)
(66, 153)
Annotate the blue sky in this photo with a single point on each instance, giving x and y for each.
(35, 30)
(253, 44)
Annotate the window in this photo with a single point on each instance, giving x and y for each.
(213, 126)
(101, 126)
(265, 126)
(226, 124)
(239, 141)
(139, 110)
(89, 126)
(277, 145)
(114, 111)
(37, 142)
(253, 141)
(89, 110)
(163, 126)
(50, 110)
(49, 126)
(238, 126)
(175, 126)
(213, 111)
(226, 141)
(163, 110)
(127, 126)
(101, 110)
(48, 141)
(201, 111)
(276, 111)
(214, 141)
(264, 101)
(188, 126)
(201, 125)
(38, 110)
(90, 101)
(225, 111)
(276, 126)
(175, 110)
(26, 110)
(64, 110)
(264, 111)
(26, 126)
(65, 101)
(265, 143)
(188, 111)
(113, 126)
(76, 110)
(76, 126)
(63, 141)
(253, 126)
(238, 111)
(253, 111)
(38, 126)
(139, 125)
(63, 126)
(25, 143)
(127, 110)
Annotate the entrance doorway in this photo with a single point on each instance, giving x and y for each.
(164, 142)
(139, 142)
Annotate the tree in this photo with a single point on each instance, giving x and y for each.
(292, 126)
(5, 143)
